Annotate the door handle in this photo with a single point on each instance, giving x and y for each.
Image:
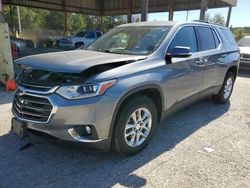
(200, 62)
(224, 55)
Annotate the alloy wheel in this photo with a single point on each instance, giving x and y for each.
(138, 127)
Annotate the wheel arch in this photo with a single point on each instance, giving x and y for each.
(234, 70)
(153, 91)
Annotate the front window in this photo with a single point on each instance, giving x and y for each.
(140, 40)
(244, 42)
(90, 35)
(185, 37)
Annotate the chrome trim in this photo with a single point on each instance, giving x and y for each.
(78, 138)
(52, 90)
(53, 111)
(196, 25)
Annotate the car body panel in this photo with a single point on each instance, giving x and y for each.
(74, 61)
(71, 41)
(179, 82)
(245, 57)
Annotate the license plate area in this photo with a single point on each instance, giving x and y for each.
(19, 128)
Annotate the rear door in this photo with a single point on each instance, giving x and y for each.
(209, 49)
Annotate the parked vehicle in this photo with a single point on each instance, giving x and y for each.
(114, 93)
(244, 45)
(82, 39)
(21, 44)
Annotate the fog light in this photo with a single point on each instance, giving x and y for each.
(88, 129)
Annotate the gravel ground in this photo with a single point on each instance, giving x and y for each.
(205, 145)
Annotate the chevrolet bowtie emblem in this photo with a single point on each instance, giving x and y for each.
(21, 93)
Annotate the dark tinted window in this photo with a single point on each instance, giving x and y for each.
(90, 35)
(205, 38)
(185, 37)
(81, 34)
(229, 37)
(98, 34)
(216, 39)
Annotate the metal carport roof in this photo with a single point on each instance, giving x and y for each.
(118, 7)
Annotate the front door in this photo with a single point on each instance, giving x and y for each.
(186, 73)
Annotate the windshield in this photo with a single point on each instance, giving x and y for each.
(140, 40)
(244, 42)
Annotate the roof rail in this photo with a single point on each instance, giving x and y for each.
(204, 21)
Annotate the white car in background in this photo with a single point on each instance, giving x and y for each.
(244, 45)
(82, 39)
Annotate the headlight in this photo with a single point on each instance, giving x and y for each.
(85, 91)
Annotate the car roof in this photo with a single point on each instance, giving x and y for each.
(151, 23)
(170, 23)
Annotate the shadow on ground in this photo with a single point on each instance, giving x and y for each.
(49, 164)
(5, 97)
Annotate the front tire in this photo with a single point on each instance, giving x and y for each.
(226, 89)
(134, 125)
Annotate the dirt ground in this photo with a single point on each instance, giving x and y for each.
(204, 145)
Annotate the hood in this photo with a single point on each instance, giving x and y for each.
(244, 50)
(74, 61)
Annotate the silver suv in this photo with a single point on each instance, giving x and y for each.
(114, 93)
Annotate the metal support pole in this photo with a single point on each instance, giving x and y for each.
(144, 10)
(101, 15)
(229, 15)
(129, 18)
(171, 11)
(203, 9)
(1, 10)
(19, 20)
(187, 15)
(102, 25)
(65, 23)
(130, 7)
(11, 19)
(65, 18)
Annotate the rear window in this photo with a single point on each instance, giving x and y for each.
(98, 34)
(206, 38)
(229, 37)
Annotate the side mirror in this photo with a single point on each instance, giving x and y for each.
(180, 51)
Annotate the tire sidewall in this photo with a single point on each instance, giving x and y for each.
(124, 114)
(220, 97)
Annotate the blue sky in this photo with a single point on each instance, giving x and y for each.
(240, 14)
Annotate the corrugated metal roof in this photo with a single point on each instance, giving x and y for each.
(116, 7)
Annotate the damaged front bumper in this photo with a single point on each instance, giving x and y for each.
(68, 120)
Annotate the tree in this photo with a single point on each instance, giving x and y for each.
(76, 22)
(38, 19)
(218, 18)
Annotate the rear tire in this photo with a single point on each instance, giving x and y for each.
(226, 90)
(135, 124)
(79, 45)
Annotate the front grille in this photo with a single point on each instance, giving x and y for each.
(31, 108)
(32, 86)
(247, 56)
